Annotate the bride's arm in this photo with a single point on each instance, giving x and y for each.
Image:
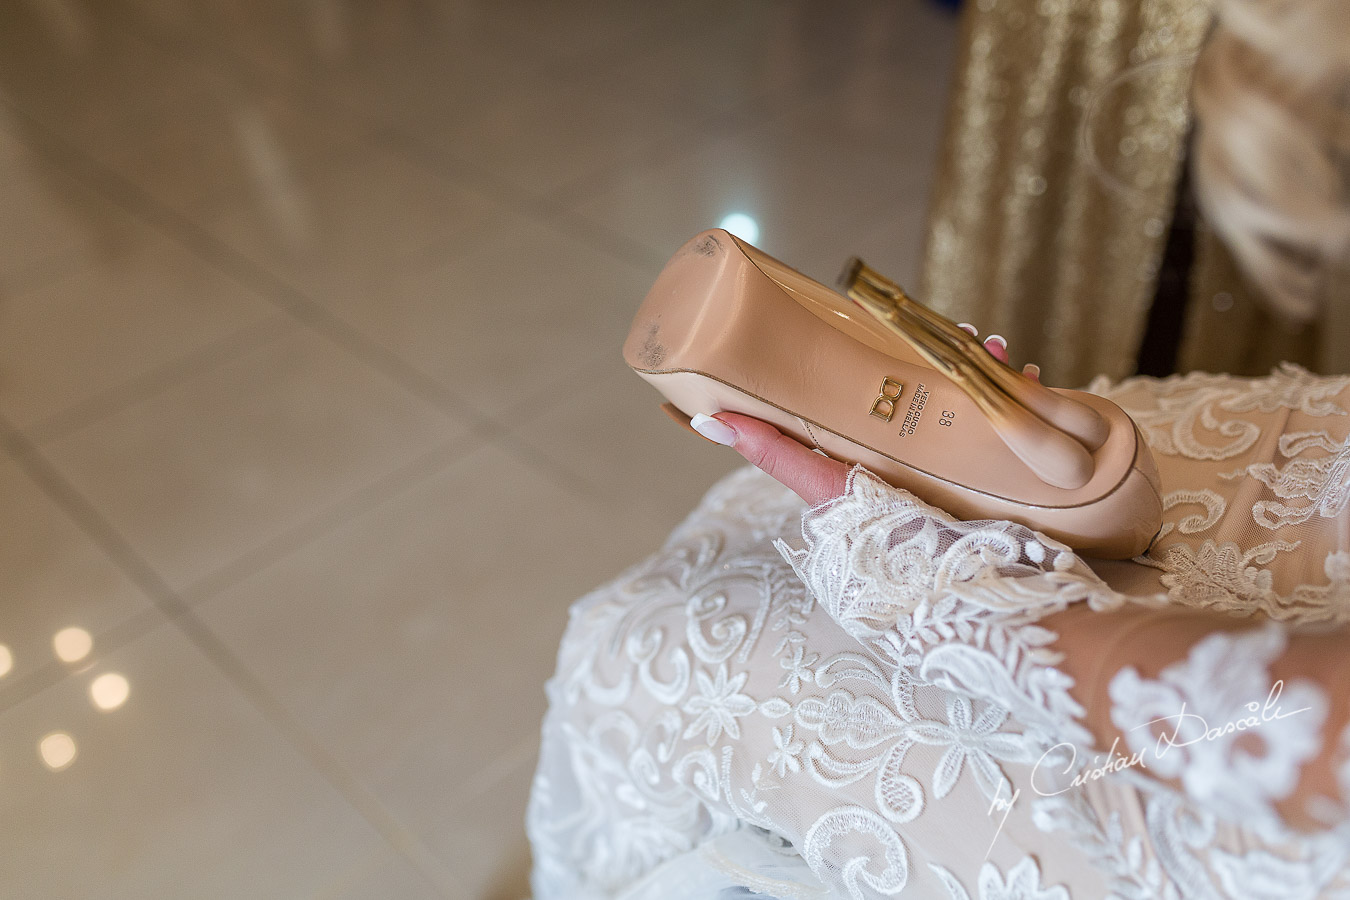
(1297, 685)
(1188, 672)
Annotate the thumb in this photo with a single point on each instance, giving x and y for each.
(812, 477)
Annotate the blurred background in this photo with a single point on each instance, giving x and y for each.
(312, 402)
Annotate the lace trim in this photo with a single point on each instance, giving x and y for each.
(1225, 577)
(1322, 480)
(1199, 417)
(1023, 882)
(951, 603)
(1183, 418)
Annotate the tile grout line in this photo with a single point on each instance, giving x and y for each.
(542, 209)
(380, 132)
(303, 535)
(495, 772)
(111, 639)
(287, 298)
(309, 312)
(102, 532)
(289, 541)
(270, 287)
(132, 391)
(551, 208)
(359, 502)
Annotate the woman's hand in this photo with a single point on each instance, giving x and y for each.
(813, 477)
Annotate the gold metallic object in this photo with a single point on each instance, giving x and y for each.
(883, 407)
(1052, 434)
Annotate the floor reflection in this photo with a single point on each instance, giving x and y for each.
(109, 691)
(72, 644)
(58, 751)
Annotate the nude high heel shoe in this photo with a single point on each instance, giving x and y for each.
(880, 380)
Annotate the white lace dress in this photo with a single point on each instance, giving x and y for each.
(877, 713)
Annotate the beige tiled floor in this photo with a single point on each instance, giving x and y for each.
(311, 400)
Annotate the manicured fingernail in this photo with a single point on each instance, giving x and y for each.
(713, 430)
(1000, 339)
(1031, 370)
(966, 326)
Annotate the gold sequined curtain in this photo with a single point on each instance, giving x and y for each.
(1065, 140)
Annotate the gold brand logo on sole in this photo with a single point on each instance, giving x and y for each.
(884, 406)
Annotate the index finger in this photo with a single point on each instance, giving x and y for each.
(813, 477)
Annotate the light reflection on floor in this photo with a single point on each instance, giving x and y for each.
(108, 691)
(72, 644)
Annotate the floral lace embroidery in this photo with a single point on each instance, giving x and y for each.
(1214, 505)
(977, 743)
(1216, 573)
(884, 582)
(855, 821)
(1331, 811)
(1183, 417)
(653, 750)
(717, 705)
(1023, 883)
(1323, 480)
(1120, 857)
(953, 602)
(1183, 837)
